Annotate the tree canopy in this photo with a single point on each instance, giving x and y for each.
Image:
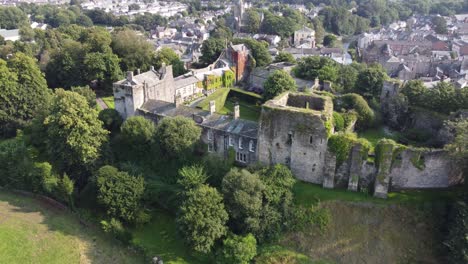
(202, 218)
(177, 135)
(278, 82)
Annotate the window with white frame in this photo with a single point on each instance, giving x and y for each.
(240, 143)
(251, 146)
(231, 141)
(210, 134)
(241, 157)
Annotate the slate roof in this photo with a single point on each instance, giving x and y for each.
(183, 81)
(216, 121)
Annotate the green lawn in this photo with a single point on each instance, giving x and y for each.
(247, 111)
(225, 105)
(32, 231)
(375, 134)
(109, 101)
(307, 194)
(159, 238)
(219, 96)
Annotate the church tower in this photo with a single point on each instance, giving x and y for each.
(239, 14)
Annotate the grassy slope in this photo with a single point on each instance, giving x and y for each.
(400, 229)
(219, 96)
(34, 232)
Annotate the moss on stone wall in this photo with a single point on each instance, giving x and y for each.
(387, 148)
(338, 122)
(417, 159)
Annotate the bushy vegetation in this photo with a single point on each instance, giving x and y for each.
(365, 114)
(277, 83)
(341, 144)
(443, 98)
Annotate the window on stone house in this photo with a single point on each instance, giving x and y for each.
(210, 147)
(240, 142)
(210, 134)
(251, 146)
(241, 157)
(231, 141)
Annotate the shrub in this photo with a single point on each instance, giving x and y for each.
(202, 218)
(111, 119)
(238, 249)
(176, 136)
(341, 144)
(119, 192)
(116, 228)
(365, 114)
(315, 215)
(457, 237)
(338, 122)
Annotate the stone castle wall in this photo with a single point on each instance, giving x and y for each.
(296, 137)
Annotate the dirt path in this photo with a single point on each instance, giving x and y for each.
(101, 103)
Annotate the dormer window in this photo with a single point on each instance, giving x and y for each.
(210, 134)
(251, 146)
(231, 141)
(240, 143)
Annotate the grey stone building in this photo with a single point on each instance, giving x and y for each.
(293, 131)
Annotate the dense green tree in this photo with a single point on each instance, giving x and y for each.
(456, 240)
(258, 49)
(370, 81)
(458, 148)
(87, 93)
(96, 39)
(65, 187)
(84, 20)
(177, 136)
(330, 41)
(119, 192)
(313, 67)
(319, 30)
(347, 76)
(278, 82)
(12, 17)
(133, 50)
(211, 49)
(26, 33)
(111, 120)
(136, 137)
(102, 67)
(238, 249)
(415, 91)
(202, 218)
(74, 133)
(65, 68)
(285, 57)
(440, 25)
(24, 92)
(169, 57)
(252, 21)
(278, 181)
(190, 177)
(243, 196)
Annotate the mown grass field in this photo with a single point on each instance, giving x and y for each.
(33, 231)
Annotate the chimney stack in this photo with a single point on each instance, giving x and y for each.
(212, 107)
(129, 75)
(138, 71)
(236, 111)
(151, 68)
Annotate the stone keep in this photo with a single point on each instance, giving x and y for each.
(132, 92)
(294, 131)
